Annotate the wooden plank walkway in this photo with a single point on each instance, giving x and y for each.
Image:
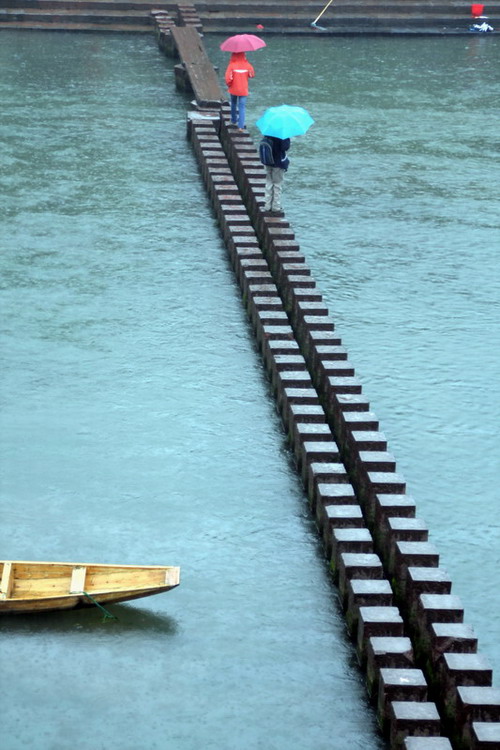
(198, 68)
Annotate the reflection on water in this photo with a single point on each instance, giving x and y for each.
(129, 620)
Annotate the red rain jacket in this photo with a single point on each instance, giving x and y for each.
(238, 72)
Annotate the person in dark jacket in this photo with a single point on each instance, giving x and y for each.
(276, 174)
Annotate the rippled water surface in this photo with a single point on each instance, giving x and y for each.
(136, 420)
(137, 427)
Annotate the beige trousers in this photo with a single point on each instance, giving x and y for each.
(274, 188)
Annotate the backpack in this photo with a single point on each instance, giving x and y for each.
(266, 152)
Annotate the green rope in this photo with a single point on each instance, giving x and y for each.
(107, 615)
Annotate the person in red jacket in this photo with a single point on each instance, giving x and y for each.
(238, 72)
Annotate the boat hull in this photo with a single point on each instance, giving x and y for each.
(30, 587)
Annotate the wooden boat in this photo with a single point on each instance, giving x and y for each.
(46, 586)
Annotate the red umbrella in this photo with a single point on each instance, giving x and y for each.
(242, 43)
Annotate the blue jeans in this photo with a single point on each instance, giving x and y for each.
(238, 107)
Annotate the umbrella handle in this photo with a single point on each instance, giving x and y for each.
(325, 8)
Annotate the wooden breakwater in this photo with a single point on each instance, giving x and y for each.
(431, 687)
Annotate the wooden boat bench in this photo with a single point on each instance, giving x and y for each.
(77, 585)
(7, 580)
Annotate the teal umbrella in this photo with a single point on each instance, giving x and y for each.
(285, 121)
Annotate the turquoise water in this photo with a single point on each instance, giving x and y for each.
(136, 419)
(137, 427)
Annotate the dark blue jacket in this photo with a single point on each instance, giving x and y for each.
(280, 147)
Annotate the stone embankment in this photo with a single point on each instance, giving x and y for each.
(431, 686)
(430, 17)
